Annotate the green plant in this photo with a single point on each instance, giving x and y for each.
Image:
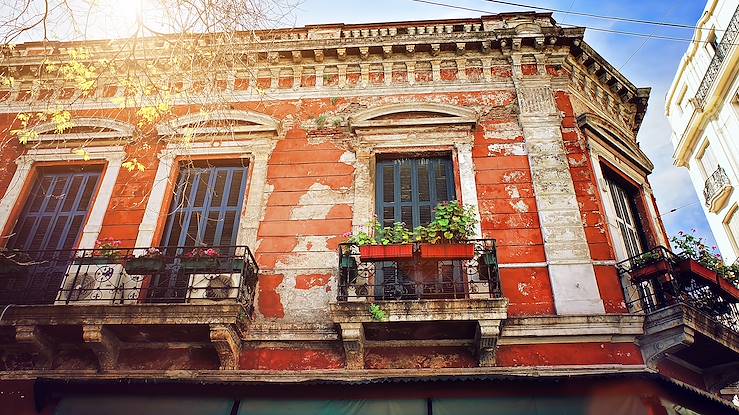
(334, 100)
(321, 121)
(381, 235)
(377, 313)
(452, 222)
(693, 247)
(647, 258)
(336, 122)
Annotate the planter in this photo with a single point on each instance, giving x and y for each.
(385, 252)
(96, 260)
(645, 272)
(144, 265)
(447, 251)
(212, 265)
(693, 267)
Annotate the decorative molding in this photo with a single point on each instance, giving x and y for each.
(450, 114)
(228, 345)
(117, 130)
(103, 343)
(196, 124)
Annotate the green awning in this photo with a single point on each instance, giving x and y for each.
(316, 407)
(140, 405)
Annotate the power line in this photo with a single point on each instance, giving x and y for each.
(673, 210)
(600, 16)
(596, 29)
(669, 12)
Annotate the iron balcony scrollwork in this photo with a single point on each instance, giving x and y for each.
(417, 278)
(125, 276)
(722, 52)
(715, 184)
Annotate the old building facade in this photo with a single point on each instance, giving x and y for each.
(702, 108)
(332, 126)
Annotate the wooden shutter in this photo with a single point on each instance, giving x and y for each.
(626, 218)
(206, 207)
(55, 211)
(407, 190)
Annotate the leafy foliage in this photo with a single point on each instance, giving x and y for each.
(380, 235)
(377, 313)
(693, 247)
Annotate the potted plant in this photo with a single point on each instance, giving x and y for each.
(106, 251)
(201, 259)
(383, 244)
(151, 261)
(648, 265)
(447, 234)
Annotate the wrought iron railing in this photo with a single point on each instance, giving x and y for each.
(127, 276)
(418, 278)
(662, 279)
(715, 185)
(722, 51)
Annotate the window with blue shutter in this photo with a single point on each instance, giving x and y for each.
(49, 226)
(206, 206)
(407, 190)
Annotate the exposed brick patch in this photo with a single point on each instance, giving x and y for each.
(269, 301)
(305, 282)
(418, 358)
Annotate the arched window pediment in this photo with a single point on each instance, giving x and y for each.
(218, 123)
(412, 114)
(84, 129)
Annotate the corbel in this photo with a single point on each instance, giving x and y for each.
(516, 43)
(273, 57)
(486, 341)
(485, 46)
(364, 52)
(435, 49)
(387, 51)
(37, 341)
(410, 49)
(352, 336)
(227, 344)
(297, 56)
(103, 343)
(593, 68)
(318, 55)
(341, 54)
(539, 42)
(460, 48)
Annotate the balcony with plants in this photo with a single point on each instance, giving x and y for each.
(691, 303)
(129, 294)
(434, 282)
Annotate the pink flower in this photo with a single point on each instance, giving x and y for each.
(347, 234)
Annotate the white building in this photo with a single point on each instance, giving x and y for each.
(703, 108)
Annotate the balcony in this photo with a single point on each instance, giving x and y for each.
(717, 190)
(419, 298)
(692, 314)
(119, 296)
(721, 53)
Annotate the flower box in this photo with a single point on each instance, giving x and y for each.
(385, 252)
(144, 265)
(694, 267)
(652, 269)
(447, 251)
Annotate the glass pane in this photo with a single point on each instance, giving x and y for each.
(406, 179)
(388, 184)
(219, 188)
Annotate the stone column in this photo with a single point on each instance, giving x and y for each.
(571, 270)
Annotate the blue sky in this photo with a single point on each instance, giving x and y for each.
(651, 64)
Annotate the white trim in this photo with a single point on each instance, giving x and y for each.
(46, 131)
(257, 151)
(453, 115)
(179, 125)
(113, 155)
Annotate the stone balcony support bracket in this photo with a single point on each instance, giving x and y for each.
(352, 334)
(486, 340)
(228, 345)
(103, 343)
(35, 338)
